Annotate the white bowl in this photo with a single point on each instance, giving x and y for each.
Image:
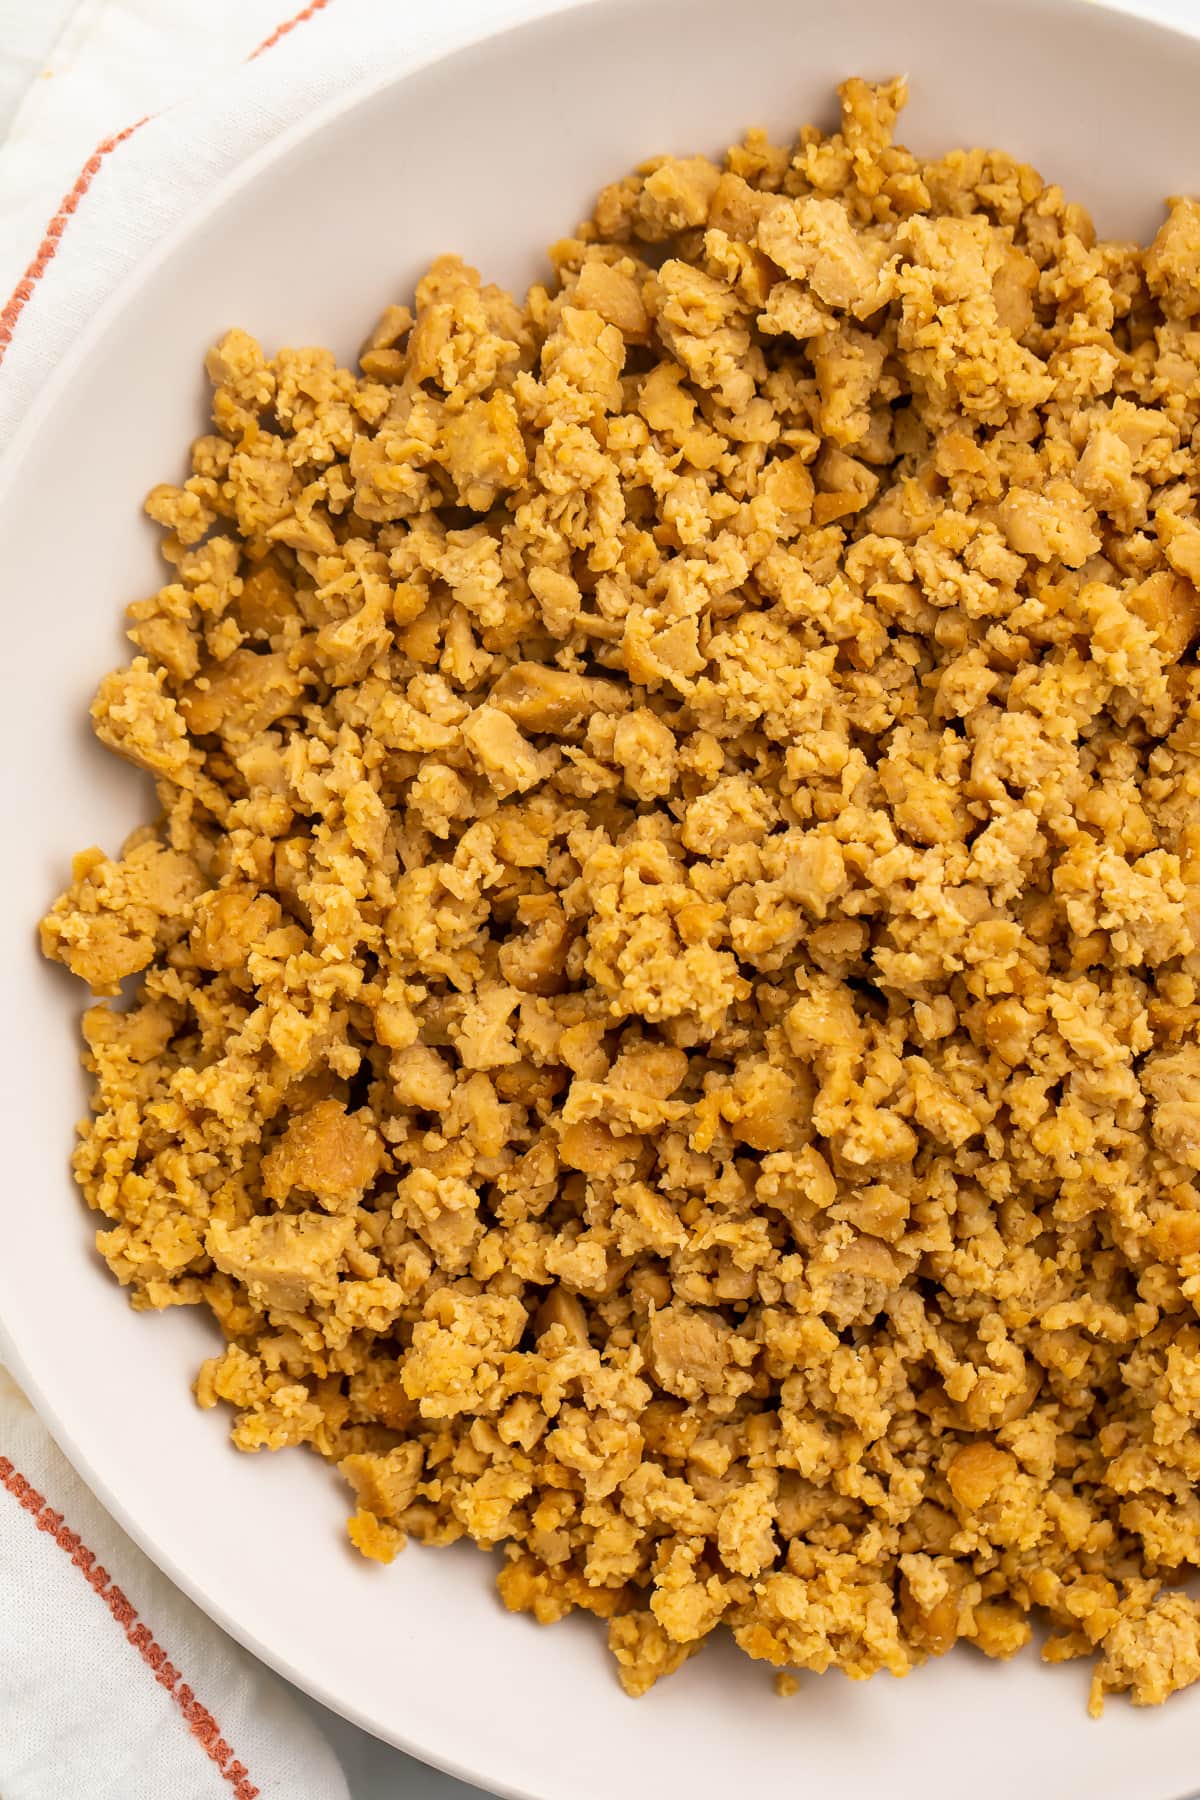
(492, 151)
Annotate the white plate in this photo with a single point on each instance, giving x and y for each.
(492, 151)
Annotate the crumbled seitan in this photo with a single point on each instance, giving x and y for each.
(667, 1015)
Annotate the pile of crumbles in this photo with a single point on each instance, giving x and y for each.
(668, 975)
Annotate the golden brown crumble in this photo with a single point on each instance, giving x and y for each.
(667, 1032)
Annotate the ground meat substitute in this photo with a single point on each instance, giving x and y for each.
(666, 1020)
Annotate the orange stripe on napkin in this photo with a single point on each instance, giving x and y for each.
(281, 31)
(53, 234)
(201, 1724)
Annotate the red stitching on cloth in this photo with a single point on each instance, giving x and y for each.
(52, 236)
(200, 1722)
(281, 31)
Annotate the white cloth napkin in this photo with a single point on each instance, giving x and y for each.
(113, 1686)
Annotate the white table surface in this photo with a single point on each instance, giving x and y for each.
(28, 31)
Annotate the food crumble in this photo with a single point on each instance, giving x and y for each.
(667, 1007)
